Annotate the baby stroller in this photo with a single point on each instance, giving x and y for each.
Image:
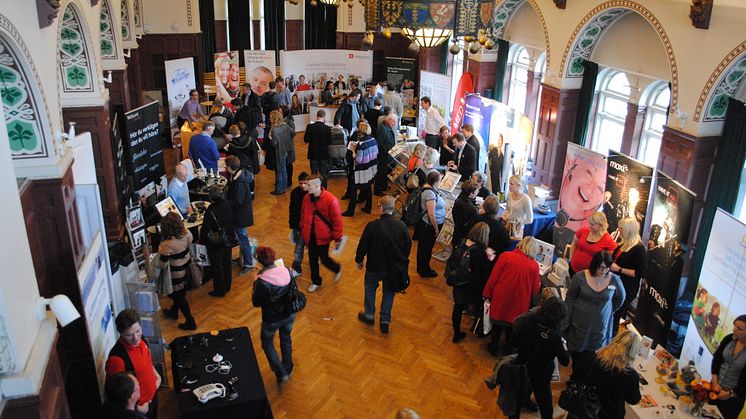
(338, 150)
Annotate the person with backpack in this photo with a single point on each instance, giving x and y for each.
(218, 234)
(270, 292)
(513, 283)
(466, 271)
(464, 210)
(433, 210)
(538, 340)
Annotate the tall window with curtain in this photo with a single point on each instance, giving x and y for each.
(207, 23)
(608, 129)
(518, 78)
(239, 26)
(321, 26)
(274, 25)
(655, 118)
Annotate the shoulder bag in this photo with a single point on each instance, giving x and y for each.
(218, 236)
(581, 399)
(295, 299)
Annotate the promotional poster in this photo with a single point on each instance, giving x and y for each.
(144, 146)
(309, 70)
(465, 87)
(437, 87)
(180, 79)
(260, 69)
(669, 231)
(401, 72)
(721, 292)
(227, 75)
(581, 192)
(627, 193)
(478, 112)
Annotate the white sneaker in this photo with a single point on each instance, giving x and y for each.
(294, 273)
(338, 276)
(313, 287)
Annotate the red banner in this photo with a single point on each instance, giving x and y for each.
(465, 86)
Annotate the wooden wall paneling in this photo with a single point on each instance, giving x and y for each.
(157, 48)
(97, 121)
(294, 32)
(351, 40)
(134, 77)
(50, 403)
(221, 35)
(256, 33)
(483, 74)
(119, 90)
(554, 128)
(430, 59)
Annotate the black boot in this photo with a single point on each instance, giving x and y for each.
(190, 324)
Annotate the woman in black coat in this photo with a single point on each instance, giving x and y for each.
(537, 337)
(728, 371)
(479, 270)
(464, 210)
(219, 217)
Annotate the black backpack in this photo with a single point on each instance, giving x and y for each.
(458, 266)
(413, 207)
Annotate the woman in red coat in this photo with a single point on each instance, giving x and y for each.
(513, 282)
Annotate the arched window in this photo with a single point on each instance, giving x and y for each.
(520, 62)
(608, 128)
(655, 117)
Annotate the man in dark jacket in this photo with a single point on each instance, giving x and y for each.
(386, 139)
(318, 136)
(386, 244)
(464, 159)
(464, 211)
(250, 111)
(296, 202)
(499, 238)
(238, 195)
(472, 140)
(270, 102)
(122, 391)
(349, 111)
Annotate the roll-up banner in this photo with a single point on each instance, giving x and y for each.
(260, 69)
(669, 231)
(308, 70)
(401, 72)
(721, 292)
(227, 75)
(465, 87)
(180, 79)
(628, 184)
(144, 147)
(437, 87)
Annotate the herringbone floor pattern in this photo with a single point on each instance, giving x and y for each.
(343, 368)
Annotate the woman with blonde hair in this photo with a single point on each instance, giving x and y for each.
(468, 290)
(281, 137)
(613, 375)
(590, 240)
(415, 160)
(518, 211)
(630, 262)
(514, 281)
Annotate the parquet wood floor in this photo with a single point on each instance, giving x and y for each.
(343, 368)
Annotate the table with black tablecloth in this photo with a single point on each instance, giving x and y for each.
(190, 359)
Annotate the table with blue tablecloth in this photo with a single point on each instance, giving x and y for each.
(542, 222)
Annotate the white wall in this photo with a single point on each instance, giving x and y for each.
(524, 28)
(220, 9)
(170, 16)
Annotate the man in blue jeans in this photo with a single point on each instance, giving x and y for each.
(238, 195)
(386, 244)
(296, 204)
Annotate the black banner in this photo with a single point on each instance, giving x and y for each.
(627, 193)
(144, 148)
(669, 231)
(400, 69)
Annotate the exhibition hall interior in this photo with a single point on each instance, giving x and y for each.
(373, 208)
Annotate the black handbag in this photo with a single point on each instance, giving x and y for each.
(218, 236)
(296, 300)
(580, 399)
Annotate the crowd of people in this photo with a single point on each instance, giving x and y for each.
(491, 260)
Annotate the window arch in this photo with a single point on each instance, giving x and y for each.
(109, 49)
(520, 62)
(75, 57)
(659, 98)
(611, 111)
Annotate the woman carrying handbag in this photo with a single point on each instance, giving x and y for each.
(218, 235)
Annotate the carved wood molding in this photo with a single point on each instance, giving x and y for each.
(47, 11)
(700, 12)
(561, 4)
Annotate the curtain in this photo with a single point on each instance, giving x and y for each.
(503, 49)
(585, 101)
(207, 23)
(321, 26)
(274, 26)
(721, 191)
(239, 26)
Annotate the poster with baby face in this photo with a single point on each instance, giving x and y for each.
(227, 75)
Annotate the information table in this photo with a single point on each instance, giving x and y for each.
(190, 357)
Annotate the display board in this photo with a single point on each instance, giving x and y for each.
(306, 70)
(721, 292)
(465, 87)
(227, 75)
(143, 145)
(669, 231)
(260, 69)
(180, 79)
(437, 87)
(401, 72)
(627, 193)
(581, 193)
(96, 295)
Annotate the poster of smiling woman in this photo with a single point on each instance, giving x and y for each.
(581, 192)
(227, 75)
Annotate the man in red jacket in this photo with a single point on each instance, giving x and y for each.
(320, 224)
